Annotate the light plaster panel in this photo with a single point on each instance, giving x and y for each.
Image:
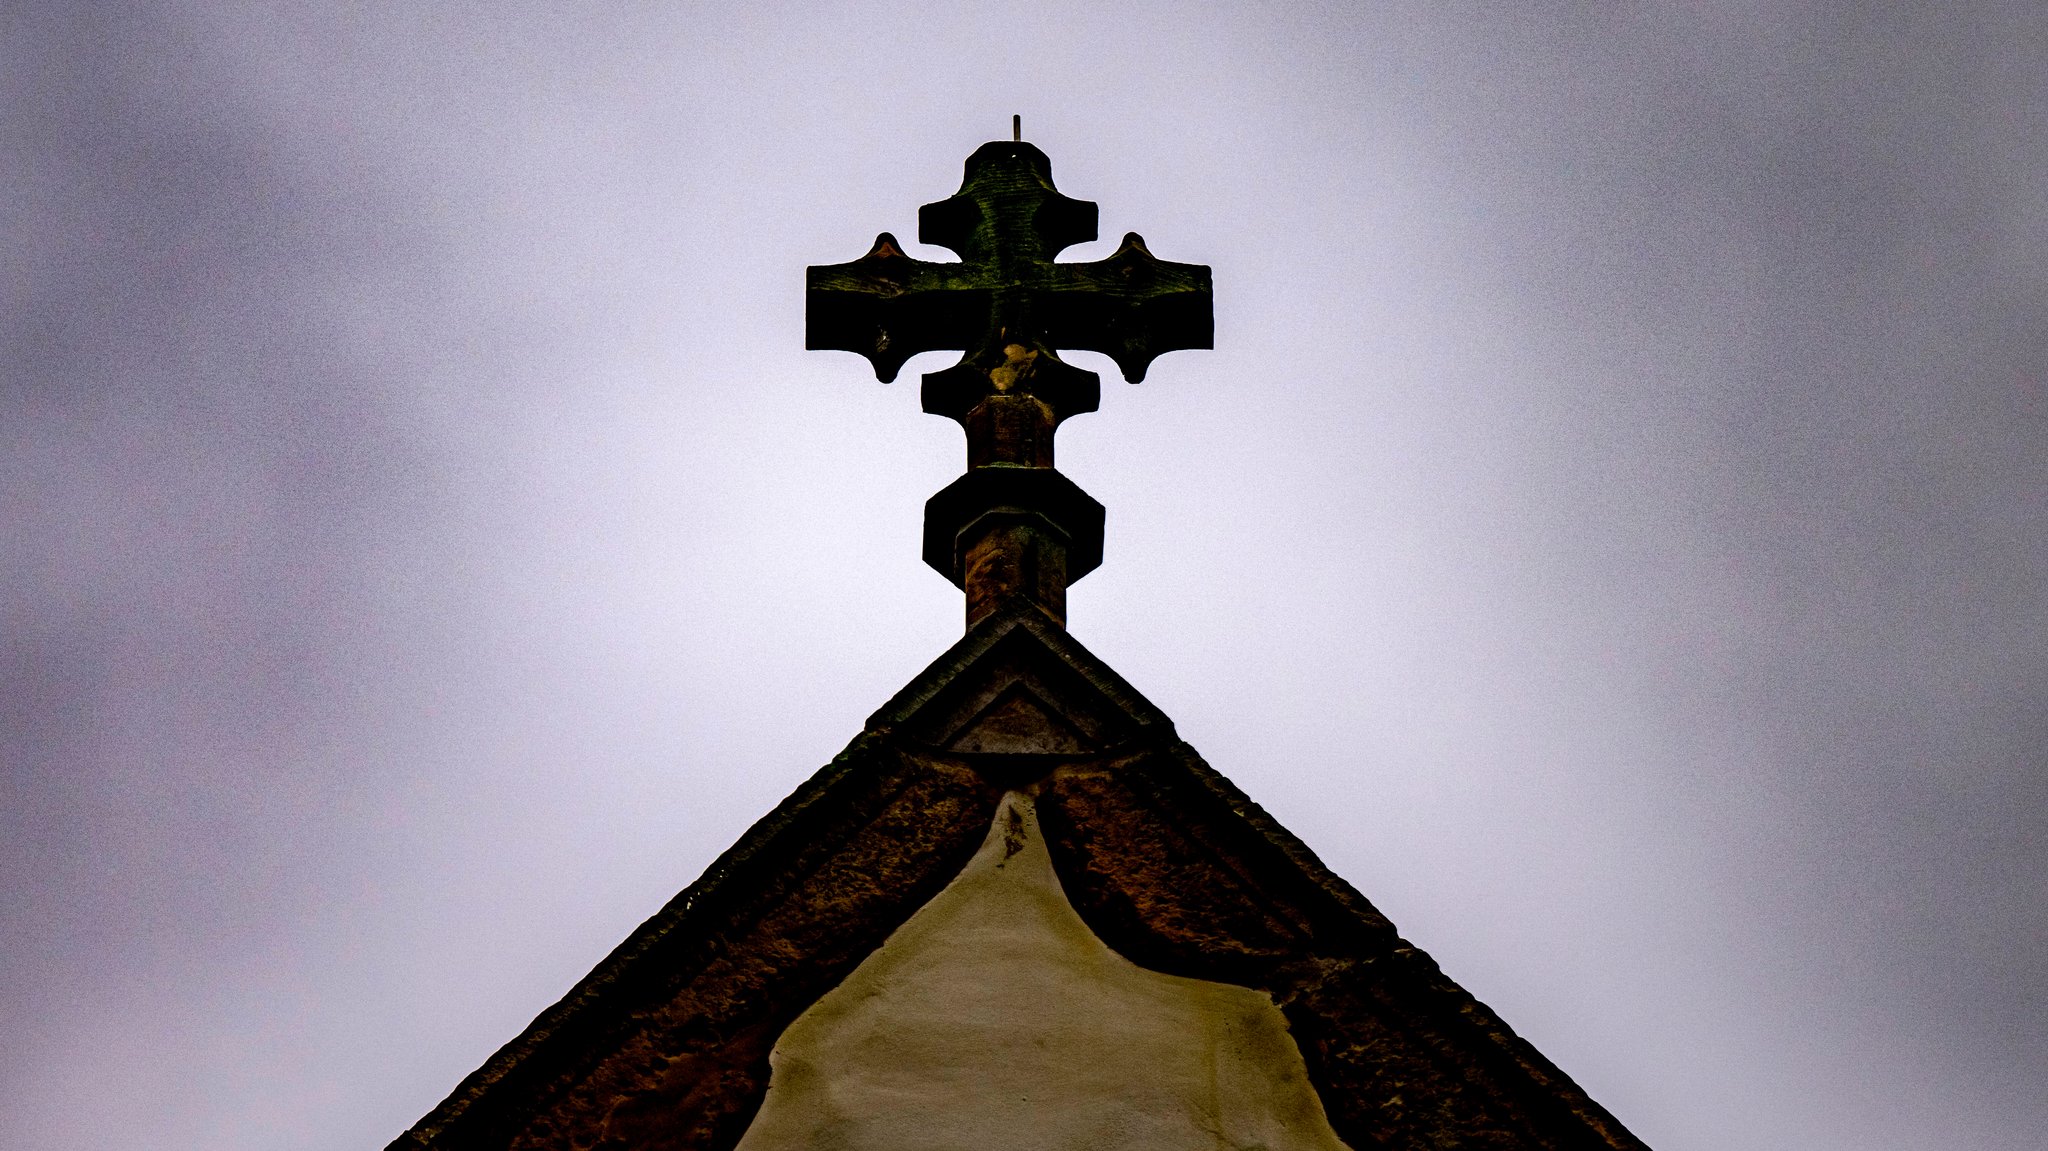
(995, 1019)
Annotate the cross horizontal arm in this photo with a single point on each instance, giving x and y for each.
(889, 306)
(1131, 306)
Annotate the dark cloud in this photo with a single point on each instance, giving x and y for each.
(196, 466)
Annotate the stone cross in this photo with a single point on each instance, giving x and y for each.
(1013, 525)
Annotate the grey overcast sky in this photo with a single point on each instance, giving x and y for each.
(1612, 528)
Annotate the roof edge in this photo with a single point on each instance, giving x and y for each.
(701, 900)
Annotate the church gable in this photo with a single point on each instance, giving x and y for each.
(667, 1044)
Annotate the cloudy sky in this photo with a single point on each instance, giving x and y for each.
(1612, 528)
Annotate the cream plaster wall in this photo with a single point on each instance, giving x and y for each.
(995, 1020)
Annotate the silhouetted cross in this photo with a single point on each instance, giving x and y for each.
(1013, 526)
(1008, 305)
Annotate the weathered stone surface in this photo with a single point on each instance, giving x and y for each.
(994, 1019)
(1157, 896)
(1019, 651)
(1000, 532)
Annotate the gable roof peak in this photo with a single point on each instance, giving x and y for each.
(1015, 652)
